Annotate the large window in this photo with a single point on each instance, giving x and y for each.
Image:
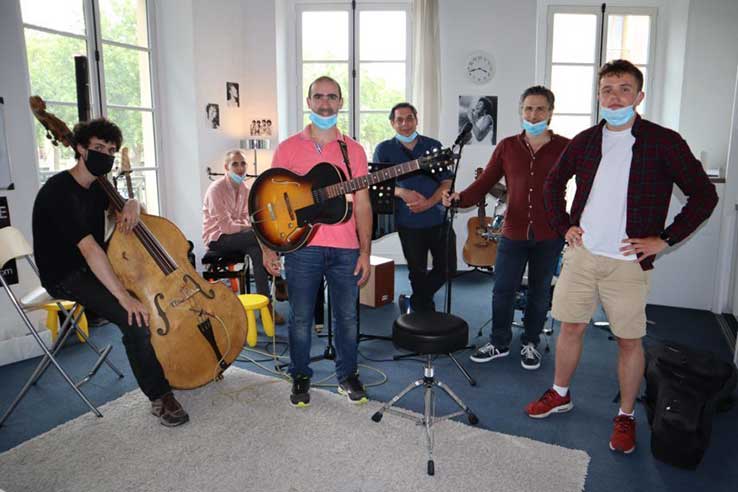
(114, 35)
(581, 39)
(366, 49)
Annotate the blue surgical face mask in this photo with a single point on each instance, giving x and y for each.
(404, 139)
(323, 122)
(535, 129)
(617, 117)
(235, 177)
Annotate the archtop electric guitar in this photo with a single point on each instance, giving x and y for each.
(285, 208)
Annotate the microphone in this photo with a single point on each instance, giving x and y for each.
(464, 135)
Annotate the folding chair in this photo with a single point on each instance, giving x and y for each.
(14, 246)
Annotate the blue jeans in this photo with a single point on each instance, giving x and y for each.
(304, 269)
(542, 258)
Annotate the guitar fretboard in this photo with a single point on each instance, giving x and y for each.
(361, 182)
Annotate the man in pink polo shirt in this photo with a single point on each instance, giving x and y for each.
(225, 220)
(338, 252)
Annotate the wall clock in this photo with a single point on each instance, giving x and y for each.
(479, 68)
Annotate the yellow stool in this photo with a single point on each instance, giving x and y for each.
(52, 318)
(252, 302)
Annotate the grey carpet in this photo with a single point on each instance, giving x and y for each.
(244, 436)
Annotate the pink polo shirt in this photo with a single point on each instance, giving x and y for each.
(299, 154)
(225, 210)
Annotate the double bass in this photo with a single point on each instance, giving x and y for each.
(197, 328)
(479, 249)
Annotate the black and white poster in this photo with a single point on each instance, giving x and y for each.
(212, 111)
(233, 95)
(6, 182)
(8, 271)
(481, 111)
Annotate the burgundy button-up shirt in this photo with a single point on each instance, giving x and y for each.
(661, 158)
(525, 173)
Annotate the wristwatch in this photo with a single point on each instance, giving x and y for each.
(666, 237)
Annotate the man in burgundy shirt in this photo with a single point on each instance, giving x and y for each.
(524, 160)
(625, 169)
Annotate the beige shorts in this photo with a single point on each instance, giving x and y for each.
(621, 287)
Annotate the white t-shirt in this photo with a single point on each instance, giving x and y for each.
(605, 213)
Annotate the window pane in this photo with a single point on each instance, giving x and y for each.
(127, 76)
(138, 135)
(51, 65)
(124, 21)
(574, 38)
(144, 188)
(382, 85)
(343, 121)
(383, 35)
(569, 126)
(338, 71)
(65, 16)
(51, 158)
(373, 128)
(628, 37)
(325, 35)
(572, 86)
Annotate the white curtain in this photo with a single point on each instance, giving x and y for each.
(426, 89)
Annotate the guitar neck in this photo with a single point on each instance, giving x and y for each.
(129, 185)
(362, 182)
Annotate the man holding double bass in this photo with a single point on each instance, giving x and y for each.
(68, 238)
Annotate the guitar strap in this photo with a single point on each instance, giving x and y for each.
(344, 151)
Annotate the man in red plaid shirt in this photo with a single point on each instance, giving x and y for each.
(625, 169)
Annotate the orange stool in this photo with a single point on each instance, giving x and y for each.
(52, 318)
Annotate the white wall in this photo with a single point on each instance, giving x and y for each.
(14, 88)
(709, 76)
(201, 47)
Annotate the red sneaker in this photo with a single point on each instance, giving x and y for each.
(623, 434)
(550, 402)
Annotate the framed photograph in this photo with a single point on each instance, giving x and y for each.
(233, 95)
(481, 111)
(212, 111)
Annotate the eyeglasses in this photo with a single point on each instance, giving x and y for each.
(331, 97)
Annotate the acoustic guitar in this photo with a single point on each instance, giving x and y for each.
(479, 251)
(286, 208)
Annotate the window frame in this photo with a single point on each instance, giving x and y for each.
(600, 46)
(95, 51)
(354, 62)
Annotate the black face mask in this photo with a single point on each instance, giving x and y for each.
(98, 163)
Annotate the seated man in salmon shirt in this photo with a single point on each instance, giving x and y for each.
(226, 227)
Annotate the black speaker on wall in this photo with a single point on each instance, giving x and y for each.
(82, 77)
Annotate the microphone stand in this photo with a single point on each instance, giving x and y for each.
(450, 214)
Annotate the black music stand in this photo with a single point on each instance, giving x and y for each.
(382, 196)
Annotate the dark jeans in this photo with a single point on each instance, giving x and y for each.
(305, 269)
(416, 243)
(85, 288)
(512, 256)
(245, 243)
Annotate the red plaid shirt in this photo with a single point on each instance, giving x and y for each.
(661, 158)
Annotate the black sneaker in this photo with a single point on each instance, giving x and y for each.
(487, 352)
(530, 358)
(300, 396)
(169, 411)
(353, 389)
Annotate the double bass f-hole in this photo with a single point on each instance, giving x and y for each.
(192, 292)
